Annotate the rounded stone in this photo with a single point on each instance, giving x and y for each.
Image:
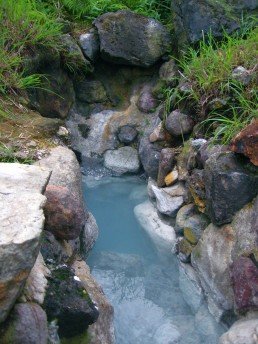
(63, 212)
(127, 134)
(179, 124)
(122, 160)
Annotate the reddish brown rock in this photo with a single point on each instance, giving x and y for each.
(166, 164)
(245, 284)
(246, 142)
(64, 214)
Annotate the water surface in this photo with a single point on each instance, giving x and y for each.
(142, 286)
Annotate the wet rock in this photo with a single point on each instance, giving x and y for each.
(89, 43)
(241, 332)
(197, 190)
(229, 186)
(69, 303)
(27, 324)
(149, 187)
(246, 142)
(89, 234)
(161, 234)
(186, 161)
(166, 164)
(245, 284)
(150, 156)
(167, 204)
(146, 102)
(131, 39)
(127, 134)
(102, 331)
(36, 284)
(242, 75)
(122, 160)
(90, 91)
(172, 177)
(190, 286)
(178, 124)
(65, 217)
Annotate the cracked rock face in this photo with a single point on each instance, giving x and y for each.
(21, 225)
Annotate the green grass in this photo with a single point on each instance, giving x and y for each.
(22, 26)
(90, 9)
(208, 73)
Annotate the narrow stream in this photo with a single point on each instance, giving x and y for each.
(142, 286)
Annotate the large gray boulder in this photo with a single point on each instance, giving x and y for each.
(21, 225)
(131, 39)
(195, 18)
(122, 160)
(215, 253)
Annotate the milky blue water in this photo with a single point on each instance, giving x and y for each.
(142, 285)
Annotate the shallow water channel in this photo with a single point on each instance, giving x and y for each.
(142, 285)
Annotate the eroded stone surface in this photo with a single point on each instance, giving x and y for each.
(21, 225)
(132, 39)
(122, 160)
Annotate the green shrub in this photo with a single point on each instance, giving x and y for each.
(208, 73)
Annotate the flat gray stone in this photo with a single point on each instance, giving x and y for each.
(122, 160)
(21, 224)
(167, 204)
(16, 178)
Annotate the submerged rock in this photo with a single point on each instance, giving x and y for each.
(162, 235)
(122, 160)
(132, 39)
